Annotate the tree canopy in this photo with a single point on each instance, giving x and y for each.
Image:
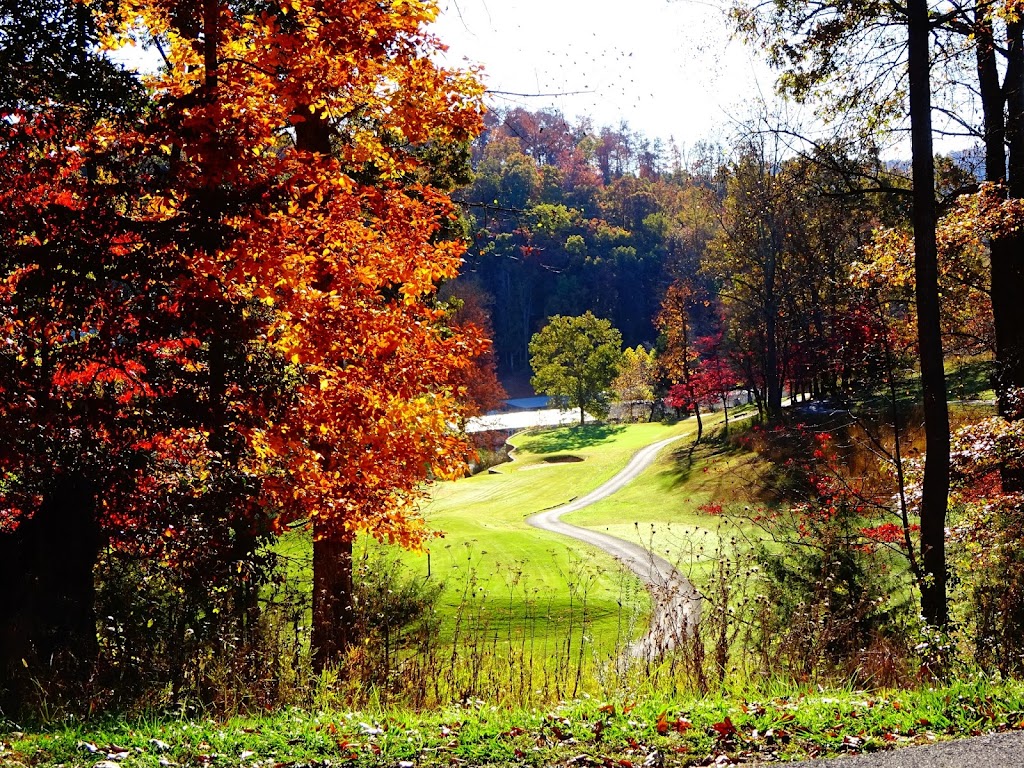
(219, 314)
(576, 360)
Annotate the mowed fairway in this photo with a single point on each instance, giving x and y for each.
(518, 579)
(508, 585)
(665, 508)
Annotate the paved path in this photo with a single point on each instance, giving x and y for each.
(997, 750)
(674, 600)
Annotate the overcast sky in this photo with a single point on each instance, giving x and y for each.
(667, 67)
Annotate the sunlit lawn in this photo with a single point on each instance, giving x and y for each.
(670, 508)
(508, 582)
(531, 578)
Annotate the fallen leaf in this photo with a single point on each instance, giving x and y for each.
(725, 729)
(662, 724)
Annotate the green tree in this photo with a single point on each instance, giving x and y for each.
(576, 358)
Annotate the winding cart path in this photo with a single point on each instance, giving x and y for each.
(675, 601)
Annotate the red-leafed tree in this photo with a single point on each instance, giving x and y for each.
(709, 384)
(221, 317)
(472, 310)
(716, 371)
(678, 354)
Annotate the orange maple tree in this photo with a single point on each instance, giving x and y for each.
(257, 340)
(318, 114)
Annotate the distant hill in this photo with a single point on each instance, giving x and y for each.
(971, 160)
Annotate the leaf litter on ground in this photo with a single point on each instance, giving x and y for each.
(587, 733)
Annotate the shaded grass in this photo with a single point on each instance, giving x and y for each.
(573, 438)
(970, 379)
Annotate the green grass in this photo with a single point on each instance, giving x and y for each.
(777, 723)
(525, 615)
(666, 509)
(508, 584)
(970, 379)
(531, 577)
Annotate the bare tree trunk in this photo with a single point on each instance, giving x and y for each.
(935, 490)
(1002, 129)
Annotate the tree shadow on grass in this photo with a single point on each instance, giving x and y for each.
(571, 438)
(692, 455)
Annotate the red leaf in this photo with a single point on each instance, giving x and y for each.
(662, 724)
(725, 729)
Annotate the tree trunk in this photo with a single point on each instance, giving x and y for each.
(772, 374)
(1006, 248)
(333, 611)
(700, 423)
(935, 490)
(47, 595)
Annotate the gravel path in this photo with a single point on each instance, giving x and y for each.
(675, 601)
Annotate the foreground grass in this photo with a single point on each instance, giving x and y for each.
(781, 724)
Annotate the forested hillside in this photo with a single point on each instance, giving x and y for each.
(566, 218)
(782, 254)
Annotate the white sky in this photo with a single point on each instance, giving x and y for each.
(667, 67)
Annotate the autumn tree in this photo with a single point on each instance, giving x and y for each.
(636, 378)
(715, 372)
(752, 257)
(576, 360)
(678, 358)
(64, 368)
(244, 284)
(471, 308)
(355, 261)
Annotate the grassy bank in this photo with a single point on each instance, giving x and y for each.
(674, 508)
(777, 724)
